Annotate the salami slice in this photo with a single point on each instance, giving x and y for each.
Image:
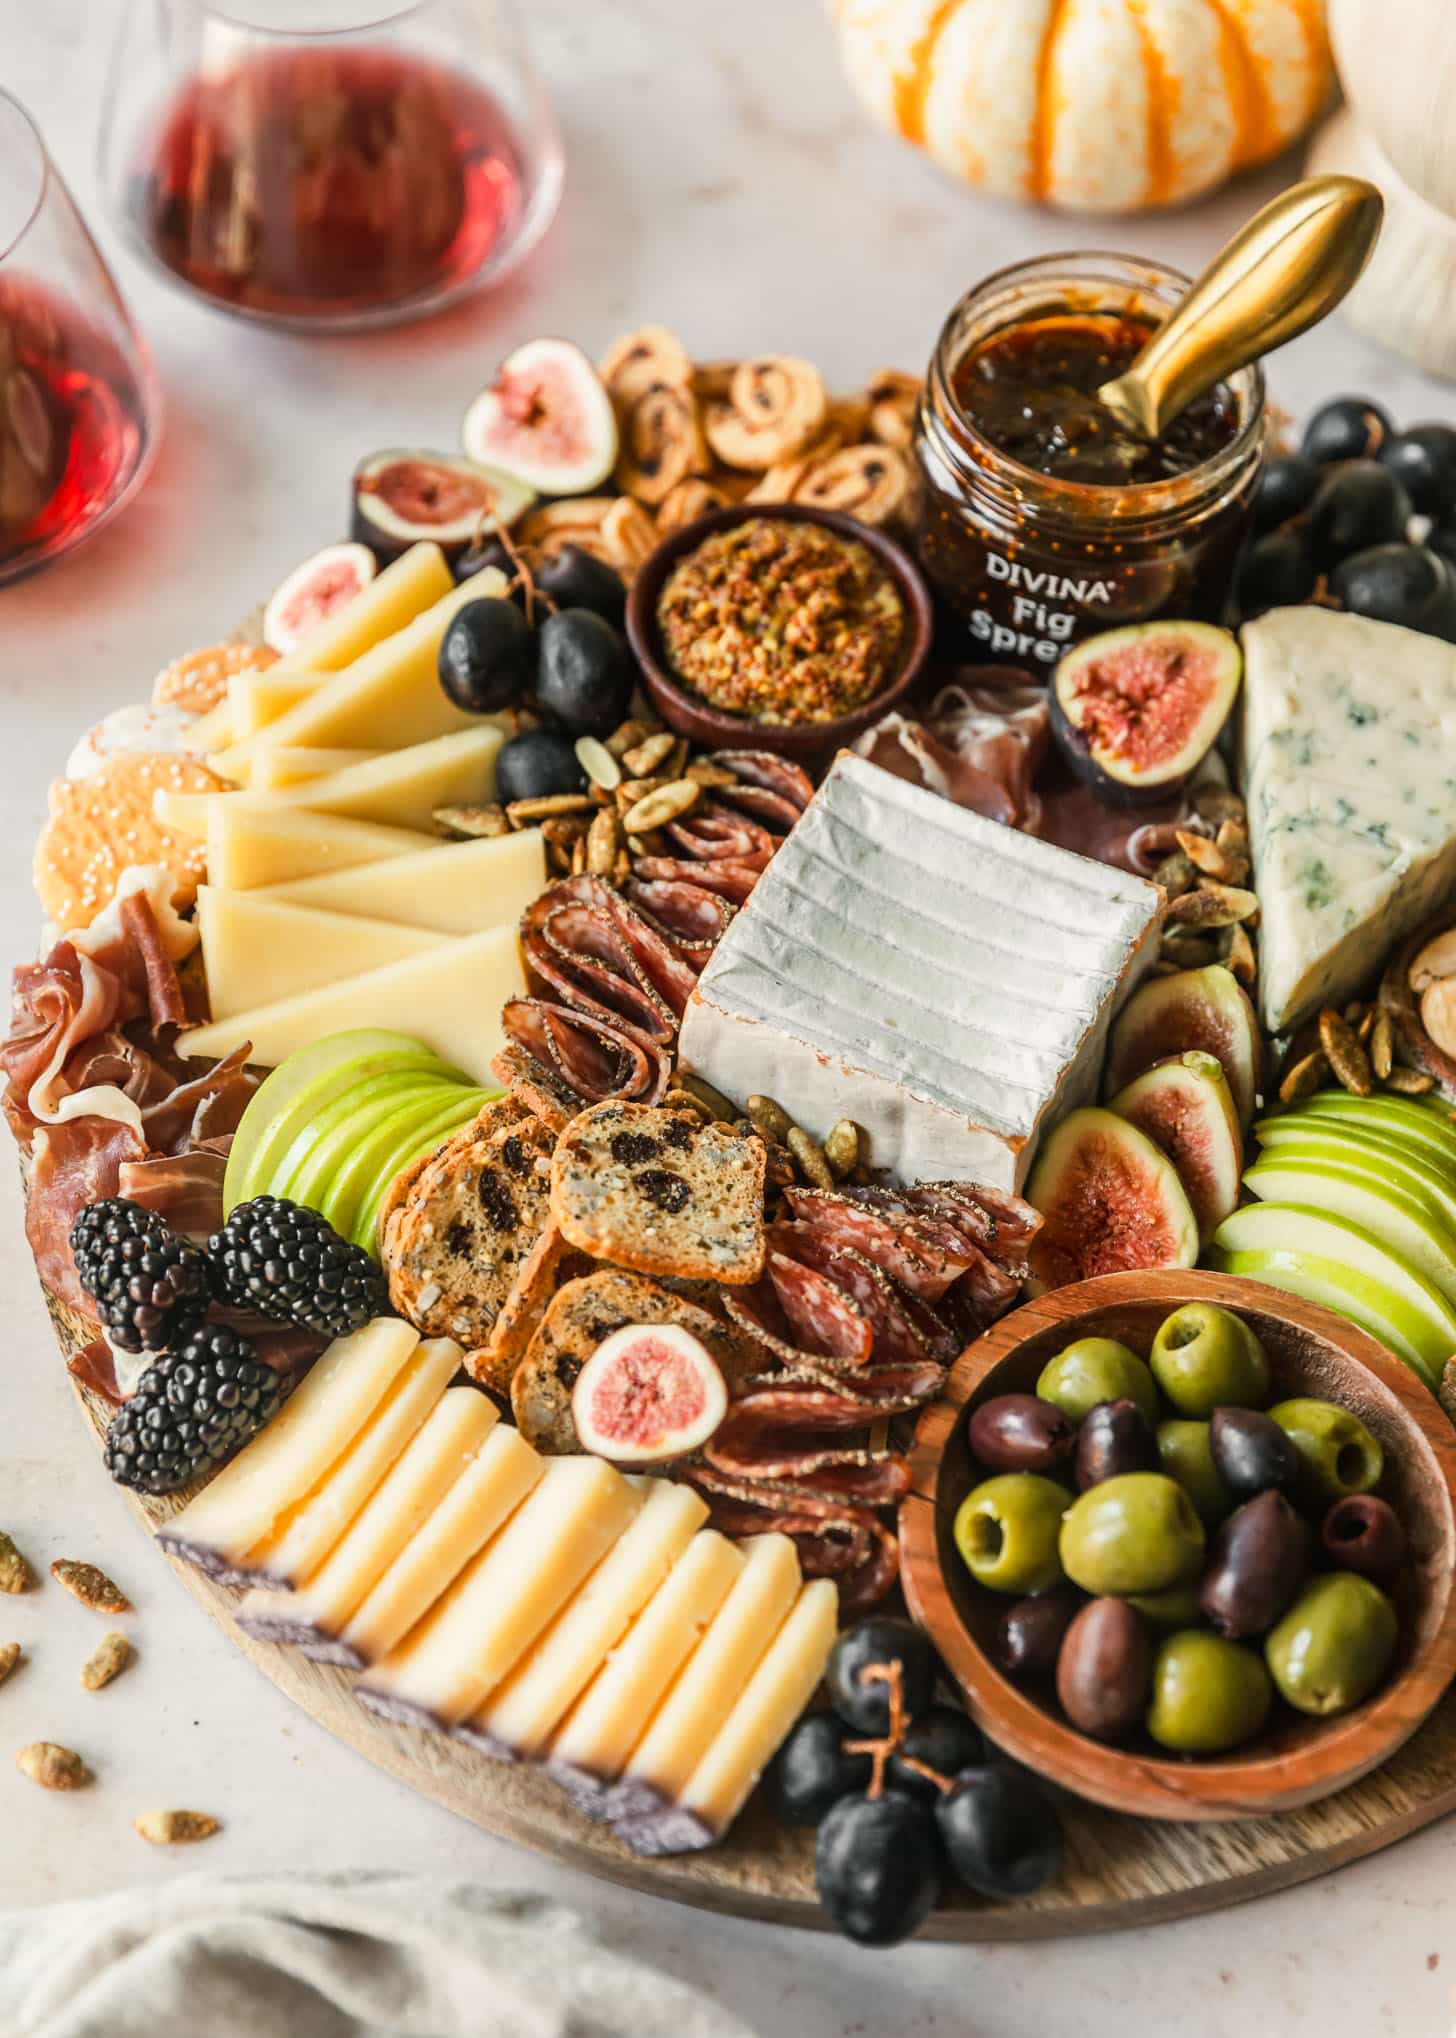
(713, 831)
(767, 769)
(834, 1538)
(905, 1330)
(595, 1059)
(924, 1257)
(665, 969)
(772, 809)
(883, 1390)
(824, 1318)
(731, 881)
(584, 957)
(695, 919)
(1003, 1225)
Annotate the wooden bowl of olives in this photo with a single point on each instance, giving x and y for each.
(1187, 1544)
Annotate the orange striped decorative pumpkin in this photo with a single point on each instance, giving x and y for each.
(1091, 105)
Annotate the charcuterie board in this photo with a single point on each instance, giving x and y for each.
(1119, 1872)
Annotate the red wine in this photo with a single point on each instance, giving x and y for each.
(72, 424)
(319, 183)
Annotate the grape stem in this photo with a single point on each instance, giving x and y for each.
(893, 1674)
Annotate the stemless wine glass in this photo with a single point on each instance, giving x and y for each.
(79, 412)
(328, 164)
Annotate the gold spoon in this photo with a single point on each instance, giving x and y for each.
(1278, 276)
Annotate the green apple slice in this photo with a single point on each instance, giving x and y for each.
(1294, 1228)
(1338, 1287)
(301, 1085)
(344, 1109)
(383, 1136)
(351, 1120)
(1349, 1146)
(1397, 1117)
(421, 1138)
(1405, 1220)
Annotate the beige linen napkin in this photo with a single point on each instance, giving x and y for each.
(331, 1956)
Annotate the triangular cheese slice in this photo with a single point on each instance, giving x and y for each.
(258, 950)
(455, 888)
(253, 841)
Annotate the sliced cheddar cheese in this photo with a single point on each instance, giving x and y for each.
(256, 840)
(463, 887)
(473, 1510)
(449, 1440)
(505, 1598)
(326, 1411)
(257, 950)
(520, 1716)
(450, 998)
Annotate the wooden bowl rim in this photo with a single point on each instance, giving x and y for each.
(692, 716)
(1339, 1751)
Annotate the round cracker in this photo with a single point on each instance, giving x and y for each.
(199, 679)
(102, 825)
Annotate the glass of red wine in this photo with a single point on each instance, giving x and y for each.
(328, 164)
(79, 411)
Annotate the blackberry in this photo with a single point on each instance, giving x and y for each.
(192, 1408)
(150, 1288)
(290, 1264)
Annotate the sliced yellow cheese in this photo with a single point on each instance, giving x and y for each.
(392, 599)
(450, 998)
(506, 1596)
(523, 1713)
(401, 788)
(304, 1534)
(476, 1506)
(328, 1408)
(254, 841)
(772, 1700)
(257, 698)
(276, 766)
(664, 1756)
(258, 951)
(454, 888)
(390, 697)
(595, 1738)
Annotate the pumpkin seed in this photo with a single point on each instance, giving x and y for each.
(770, 1118)
(1233, 839)
(1176, 874)
(1205, 852)
(842, 1147)
(1239, 955)
(547, 806)
(713, 1101)
(1382, 1046)
(1346, 1057)
(684, 1100)
(626, 738)
(702, 771)
(644, 758)
(602, 843)
(91, 1586)
(1214, 905)
(1366, 1027)
(175, 1829)
(109, 1658)
(578, 856)
(1410, 1082)
(598, 763)
(564, 828)
(657, 809)
(52, 1766)
(9, 1657)
(810, 1158)
(470, 823)
(1304, 1078)
(1216, 803)
(15, 1574)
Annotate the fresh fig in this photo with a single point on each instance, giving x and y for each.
(545, 419)
(1185, 1107)
(1136, 710)
(648, 1392)
(313, 591)
(1110, 1202)
(1192, 1008)
(403, 495)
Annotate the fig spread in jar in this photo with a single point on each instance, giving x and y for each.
(782, 621)
(1044, 519)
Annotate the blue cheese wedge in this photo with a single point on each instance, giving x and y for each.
(1349, 771)
(942, 980)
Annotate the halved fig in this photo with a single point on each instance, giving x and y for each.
(1185, 1107)
(649, 1391)
(315, 590)
(1110, 1203)
(403, 495)
(1137, 710)
(547, 419)
(1202, 1008)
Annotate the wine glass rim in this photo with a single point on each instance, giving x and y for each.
(27, 121)
(234, 14)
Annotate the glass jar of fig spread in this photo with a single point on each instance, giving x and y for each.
(1044, 519)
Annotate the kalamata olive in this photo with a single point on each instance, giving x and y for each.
(1259, 1560)
(1363, 1533)
(1251, 1453)
(1029, 1634)
(1105, 1670)
(1020, 1433)
(1115, 1437)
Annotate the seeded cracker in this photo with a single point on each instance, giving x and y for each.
(91, 1586)
(52, 1766)
(15, 1574)
(198, 681)
(100, 826)
(176, 1828)
(106, 1662)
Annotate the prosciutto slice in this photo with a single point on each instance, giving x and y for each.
(979, 744)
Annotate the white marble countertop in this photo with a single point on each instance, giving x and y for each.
(721, 180)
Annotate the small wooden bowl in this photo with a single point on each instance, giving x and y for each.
(1311, 1351)
(708, 726)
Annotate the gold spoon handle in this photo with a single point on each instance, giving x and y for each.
(1279, 275)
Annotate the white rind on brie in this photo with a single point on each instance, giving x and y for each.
(941, 979)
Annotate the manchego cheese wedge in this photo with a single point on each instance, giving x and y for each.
(453, 888)
(277, 766)
(254, 841)
(399, 788)
(391, 696)
(258, 950)
(450, 998)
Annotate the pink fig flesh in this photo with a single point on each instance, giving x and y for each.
(648, 1392)
(1185, 1108)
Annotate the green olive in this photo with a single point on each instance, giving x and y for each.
(1097, 1369)
(1183, 1449)
(1204, 1357)
(1208, 1694)
(1337, 1454)
(1006, 1530)
(1334, 1645)
(1136, 1533)
(1176, 1606)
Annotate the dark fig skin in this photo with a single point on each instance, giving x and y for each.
(1105, 1670)
(1021, 1433)
(1363, 1533)
(1114, 1438)
(1251, 1453)
(1258, 1561)
(1028, 1636)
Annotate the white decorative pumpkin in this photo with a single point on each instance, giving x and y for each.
(1091, 105)
(1398, 67)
